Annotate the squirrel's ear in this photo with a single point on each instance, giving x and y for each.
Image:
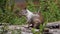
(25, 8)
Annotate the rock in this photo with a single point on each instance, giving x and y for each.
(53, 25)
(51, 28)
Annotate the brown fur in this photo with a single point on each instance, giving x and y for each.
(36, 21)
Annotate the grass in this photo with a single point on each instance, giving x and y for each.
(51, 13)
(49, 9)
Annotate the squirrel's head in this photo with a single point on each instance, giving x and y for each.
(24, 11)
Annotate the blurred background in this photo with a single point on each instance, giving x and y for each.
(50, 9)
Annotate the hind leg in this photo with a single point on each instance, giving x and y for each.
(36, 25)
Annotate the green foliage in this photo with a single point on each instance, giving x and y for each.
(49, 9)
